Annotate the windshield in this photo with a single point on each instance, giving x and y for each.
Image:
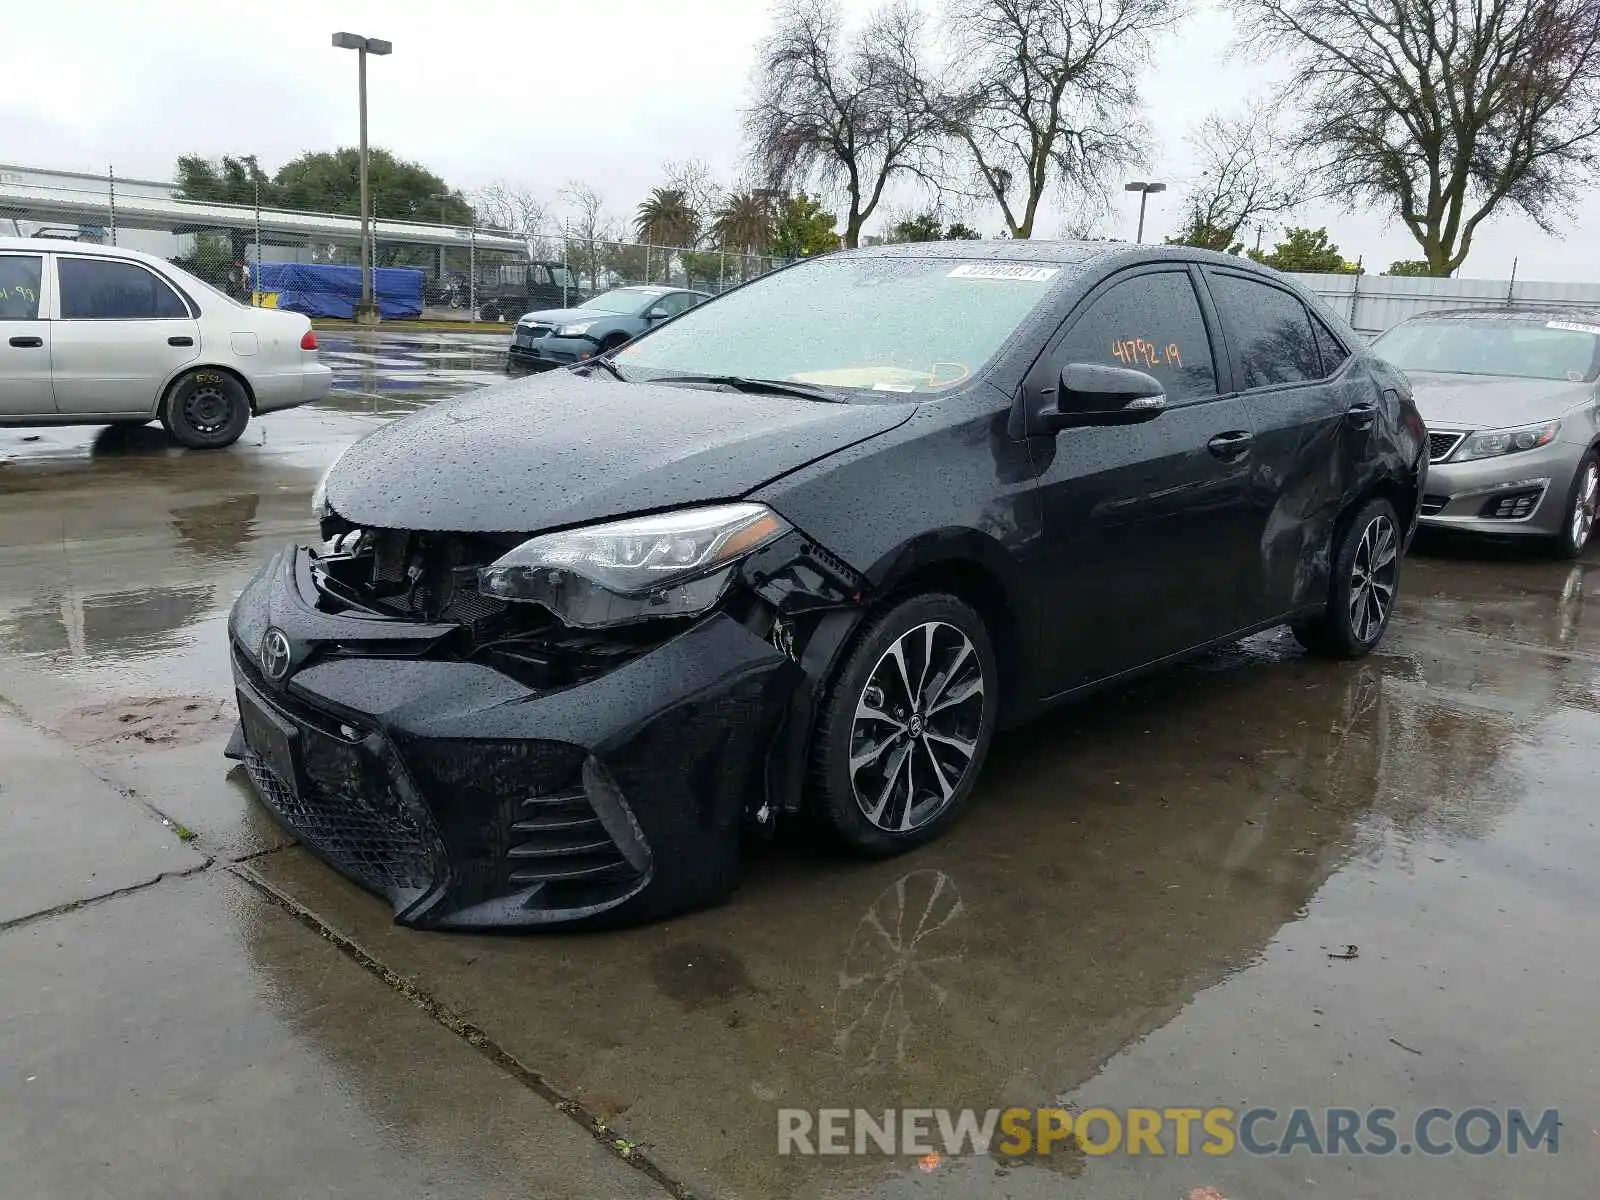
(885, 324)
(1553, 349)
(623, 300)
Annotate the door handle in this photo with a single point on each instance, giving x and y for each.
(1231, 444)
(180, 341)
(1362, 415)
(27, 343)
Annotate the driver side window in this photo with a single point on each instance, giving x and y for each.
(1148, 323)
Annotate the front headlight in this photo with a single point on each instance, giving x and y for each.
(1491, 442)
(578, 330)
(674, 564)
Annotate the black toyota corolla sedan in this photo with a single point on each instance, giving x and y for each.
(802, 550)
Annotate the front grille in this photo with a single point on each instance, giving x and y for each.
(528, 334)
(1442, 444)
(347, 804)
(560, 839)
(1434, 504)
(367, 832)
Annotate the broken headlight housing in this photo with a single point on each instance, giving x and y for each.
(674, 564)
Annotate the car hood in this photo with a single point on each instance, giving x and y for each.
(565, 316)
(1448, 401)
(563, 450)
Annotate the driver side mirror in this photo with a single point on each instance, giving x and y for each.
(658, 313)
(1090, 394)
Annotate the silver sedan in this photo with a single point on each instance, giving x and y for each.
(1510, 401)
(96, 335)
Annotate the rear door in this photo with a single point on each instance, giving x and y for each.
(1148, 526)
(122, 331)
(1307, 411)
(25, 389)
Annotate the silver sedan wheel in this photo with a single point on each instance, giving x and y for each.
(916, 728)
(1583, 508)
(1373, 577)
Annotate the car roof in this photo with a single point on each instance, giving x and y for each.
(1556, 312)
(67, 246)
(1053, 251)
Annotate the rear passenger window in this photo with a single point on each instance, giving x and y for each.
(19, 286)
(1151, 323)
(1330, 349)
(108, 290)
(1271, 331)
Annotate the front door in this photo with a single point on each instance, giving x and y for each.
(24, 338)
(1148, 525)
(1310, 435)
(122, 333)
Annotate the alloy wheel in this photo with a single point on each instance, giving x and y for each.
(916, 728)
(207, 409)
(1373, 577)
(1583, 509)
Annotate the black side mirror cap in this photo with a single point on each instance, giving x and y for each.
(1091, 394)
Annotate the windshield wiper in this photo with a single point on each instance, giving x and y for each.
(610, 367)
(759, 387)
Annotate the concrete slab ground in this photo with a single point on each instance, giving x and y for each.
(66, 836)
(194, 1040)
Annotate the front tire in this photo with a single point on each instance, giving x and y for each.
(1582, 501)
(206, 410)
(1362, 591)
(905, 726)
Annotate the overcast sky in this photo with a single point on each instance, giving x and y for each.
(539, 93)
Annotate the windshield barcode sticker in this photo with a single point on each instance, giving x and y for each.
(1005, 271)
(1572, 326)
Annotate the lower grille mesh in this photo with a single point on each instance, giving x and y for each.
(370, 834)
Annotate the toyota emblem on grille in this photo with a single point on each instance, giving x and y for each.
(275, 655)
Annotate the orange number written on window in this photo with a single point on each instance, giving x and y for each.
(1137, 352)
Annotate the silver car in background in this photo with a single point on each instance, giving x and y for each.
(96, 335)
(1509, 397)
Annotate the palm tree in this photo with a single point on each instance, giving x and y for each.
(744, 223)
(667, 218)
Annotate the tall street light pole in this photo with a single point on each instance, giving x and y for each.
(1144, 190)
(366, 311)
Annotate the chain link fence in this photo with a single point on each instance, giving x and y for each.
(467, 274)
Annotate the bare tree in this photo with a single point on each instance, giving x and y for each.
(1045, 94)
(837, 110)
(588, 225)
(1245, 177)
(510, 206)
(701, 189)
(1442, 111)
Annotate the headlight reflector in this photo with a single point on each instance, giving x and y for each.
(578, 330)
(670, 565)
(1488, 443)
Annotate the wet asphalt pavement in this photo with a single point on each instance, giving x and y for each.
(1255, 880)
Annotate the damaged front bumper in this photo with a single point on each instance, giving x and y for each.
(471, 797)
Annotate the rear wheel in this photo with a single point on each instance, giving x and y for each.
(1582, 501)
(906, 725)
(206, 410)
(1363, 589)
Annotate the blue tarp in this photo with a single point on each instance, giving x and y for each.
(320, 290)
